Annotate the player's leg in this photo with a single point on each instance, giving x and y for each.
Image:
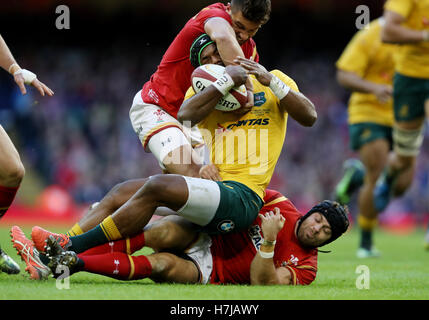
(374, 156)
(172, 233)
(354, 170)
(407, 141)
(11, 171)
(159, 191)
(161, 267)
(114, 199)
(11, 174)
(410, 96)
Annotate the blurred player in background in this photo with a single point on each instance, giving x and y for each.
(406, 24)
(280, 247)
(366, 67)
(154, 110)
(11, 168)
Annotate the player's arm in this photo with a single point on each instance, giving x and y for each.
(354, 82)
(262, 269)
(394, 32)
(21, 76)
(221, 32)
(293, 102)
(199, 106)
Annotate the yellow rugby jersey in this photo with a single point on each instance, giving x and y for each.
(245, 148)
(368, 57)
(413, 58)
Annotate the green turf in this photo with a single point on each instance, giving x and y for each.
(401, 273)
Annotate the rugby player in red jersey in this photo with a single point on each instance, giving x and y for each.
(280, 247)
(154, 109)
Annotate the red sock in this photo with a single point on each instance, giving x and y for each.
(128, 246)
(6, 198)
(117, 265)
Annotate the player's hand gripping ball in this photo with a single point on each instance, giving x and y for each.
(207, 74)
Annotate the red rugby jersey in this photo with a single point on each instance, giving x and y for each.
(233, 253)
(168, 85)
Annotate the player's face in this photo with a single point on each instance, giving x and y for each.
(243, 28)
(210, 55)
(314, 230)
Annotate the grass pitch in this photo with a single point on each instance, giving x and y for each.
(401, 273)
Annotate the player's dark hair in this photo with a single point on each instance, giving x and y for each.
(253, 10)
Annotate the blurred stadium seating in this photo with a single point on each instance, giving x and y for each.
(81, 140)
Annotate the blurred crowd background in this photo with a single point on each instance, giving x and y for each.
(81, 140)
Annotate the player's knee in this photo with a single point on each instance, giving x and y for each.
(164, 264)
(161, 236)
(13, 175)
(156, 187)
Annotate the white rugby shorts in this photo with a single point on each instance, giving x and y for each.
(160, 133)
(201, 255)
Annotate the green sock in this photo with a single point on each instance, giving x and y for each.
(366, 239)
(87, 240)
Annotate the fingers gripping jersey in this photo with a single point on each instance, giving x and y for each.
(233, 253)
(169, 83)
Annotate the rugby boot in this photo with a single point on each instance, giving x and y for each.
(354, 172)
(29, 254)
(40, 236)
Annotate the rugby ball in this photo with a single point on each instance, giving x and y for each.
(205, 75)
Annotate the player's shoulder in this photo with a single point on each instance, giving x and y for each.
(274, 199)
(285, 78)
(211, 11)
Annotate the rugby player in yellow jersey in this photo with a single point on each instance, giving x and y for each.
(233, 203)
(366, 67)
(407, 24)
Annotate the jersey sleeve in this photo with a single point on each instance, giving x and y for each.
(355, 56)
(287, 80)
(189, 94)
(302, 275)
(401, 7)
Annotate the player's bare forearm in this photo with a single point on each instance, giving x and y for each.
(394, 32)
(353, 82)
(300, 108)
(6, 58)
(263, 271)
(198, 107)
(220, 31)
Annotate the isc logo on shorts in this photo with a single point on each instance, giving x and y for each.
(226, 226)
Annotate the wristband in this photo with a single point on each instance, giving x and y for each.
(27, 75)
(224, 84)
(425, 35)
(279, 88)
(12, 66)
(266, 255)
(269, 243)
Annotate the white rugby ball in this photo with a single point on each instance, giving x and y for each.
(205, 75)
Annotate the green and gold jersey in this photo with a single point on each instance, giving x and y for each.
(372, 60)
(413, 58)
(245, 148)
